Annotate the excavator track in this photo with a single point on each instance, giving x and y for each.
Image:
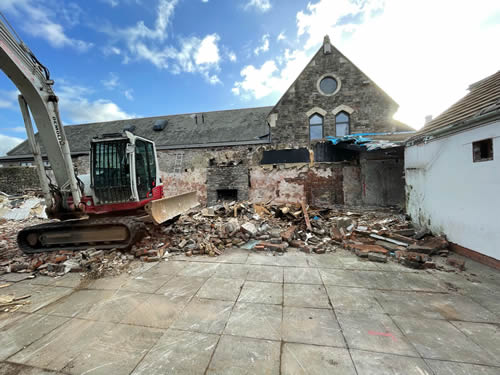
(106, 233)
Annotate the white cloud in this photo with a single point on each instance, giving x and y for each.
(204, 1)
(232, 56)
(269, 79)
(7, 143)
(39, 21)
(111, 82)
(281, 36)
(208, 52)
(129, 94)
(77, 108)
(8, 99)
(264, 46)
(143, 43)
(261, 5)
(112, 3)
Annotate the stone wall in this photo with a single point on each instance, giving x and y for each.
(372, 109)
(16, 180)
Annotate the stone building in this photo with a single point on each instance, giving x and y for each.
(329, 140)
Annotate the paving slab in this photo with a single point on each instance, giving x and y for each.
(233, 255)
(182, 286)
(325, 261)
(439, 339)
(204, 315)
(262, 259)
(70, 280)
(78, 302)
(221, 289)
(434, 306)
(341, 277)
(178, 352)
(487, 336)
(14, 368)
(199, 269)
(374, 332)
(368, 363)
(83, 345)
(22, 332)
(8, 318)
(156, 311)
(455, 368)
(355, 263)
(353, 299)
(232, 271)
(242, 355)
(311, 326)
(312, 359)
(485, 296)
(291, 259)
(423, 281)
(169, 267)
(270, 274)
(46, 280)
(255, 320)
(146, 283)
(40, 295)
(305, 295)
(259, 292)
(302, 275)
(117, 306)
(109, 283)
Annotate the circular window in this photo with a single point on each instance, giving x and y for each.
(328, 85)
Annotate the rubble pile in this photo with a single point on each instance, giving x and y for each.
(372, 234)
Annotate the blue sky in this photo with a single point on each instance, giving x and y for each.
(115, 59)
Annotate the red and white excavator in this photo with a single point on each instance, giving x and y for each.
(102, 209)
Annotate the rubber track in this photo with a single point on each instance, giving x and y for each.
(135, 227)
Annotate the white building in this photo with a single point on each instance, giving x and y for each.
(452, 170)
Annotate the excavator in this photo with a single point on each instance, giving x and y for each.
(105, 209)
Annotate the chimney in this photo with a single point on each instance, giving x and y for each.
(428, 119)
(327, 47)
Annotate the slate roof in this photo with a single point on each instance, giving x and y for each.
(218, 128)
(483, 98)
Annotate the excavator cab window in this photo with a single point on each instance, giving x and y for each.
(111, 172)
(145, 167)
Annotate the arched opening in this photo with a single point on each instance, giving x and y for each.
(315, 127)
(342, 124)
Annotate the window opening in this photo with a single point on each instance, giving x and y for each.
(342, 124)
(315, 127)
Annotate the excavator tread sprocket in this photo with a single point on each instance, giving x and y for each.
(99, 233)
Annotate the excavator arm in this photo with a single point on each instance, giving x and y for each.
(33, 81)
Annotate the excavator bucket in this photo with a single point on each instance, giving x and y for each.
(167, 208)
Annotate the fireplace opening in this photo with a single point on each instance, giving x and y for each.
(227, 195)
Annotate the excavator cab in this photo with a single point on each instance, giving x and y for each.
(124, 169)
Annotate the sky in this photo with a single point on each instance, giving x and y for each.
(119, 59)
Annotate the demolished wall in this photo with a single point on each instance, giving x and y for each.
(17, 180)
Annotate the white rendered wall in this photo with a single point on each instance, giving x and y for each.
(450, 194)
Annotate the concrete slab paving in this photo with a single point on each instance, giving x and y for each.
(369, 363)
(79, 301)
(204, 315)
(145, 283)
(487, 336)
(83, 345)
(270, 274)
(234, 255)
(374, 332)
(259, 292)
(40, 295)
(232, 271)
(301, 275)
(156, 311)
(70, 280)
(8, 318)
(353, 299)
(434, 306)
(422, 281)
(199, 269)
(169, 267)
(221, 289)
(455, 368)
(21, 333)
(182, 286)
(439, 339)
(305, 295)
(255, 320)
(179, 352)
(311, 326)
(109, 283)
(312, 359)
(117, 306)
(242, 355)
(325, 261)
(341, 277)
(17, 369)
